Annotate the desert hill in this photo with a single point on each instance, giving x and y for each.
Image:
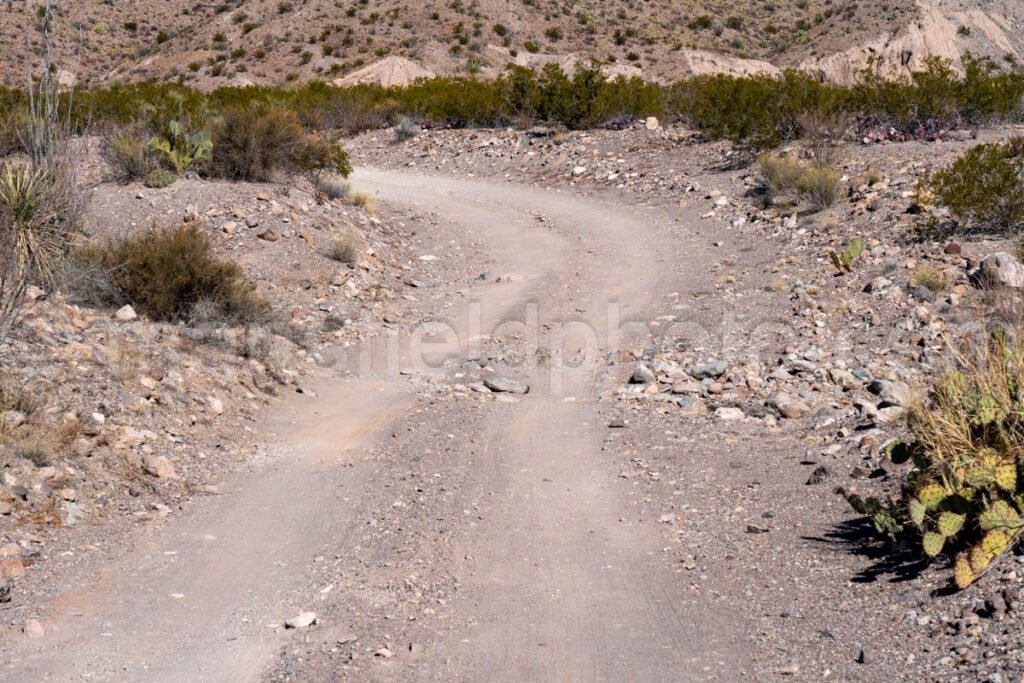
(286, 41)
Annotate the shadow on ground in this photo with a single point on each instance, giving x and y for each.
(895, 562)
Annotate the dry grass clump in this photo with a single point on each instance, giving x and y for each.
(365, 201)
(328, 186)
(820, 186)
(345, 247)
(929, 278)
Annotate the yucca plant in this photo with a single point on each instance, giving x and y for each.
(32, 231)
(964, 497)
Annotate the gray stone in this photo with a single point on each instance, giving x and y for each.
(303, 620)
(714, 368)
(693, 407)
(1001, 269)
(642, 375)
(789, 406)
(729, 413)
(892, 392)
(159, 466)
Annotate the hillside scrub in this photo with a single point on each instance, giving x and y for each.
(758, 111)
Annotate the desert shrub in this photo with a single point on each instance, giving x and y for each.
(327, 186)
(129, 157)
(39, 208)
(344, 248)
(984, 188)
(405, 129)
(256, 145)
(172, 274)
(820, 186)
(365, 201)
(159, 178)
(781, 173)
(964, 495)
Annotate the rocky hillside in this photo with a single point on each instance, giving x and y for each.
(277, 41)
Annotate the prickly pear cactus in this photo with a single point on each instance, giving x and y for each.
(843, 260)
(179, 149)
(964, 496)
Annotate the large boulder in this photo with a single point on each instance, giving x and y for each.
(1001, 269)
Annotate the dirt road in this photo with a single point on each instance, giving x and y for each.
(564, 585)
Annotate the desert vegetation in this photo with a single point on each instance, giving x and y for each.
(758, 111)
(964, 497)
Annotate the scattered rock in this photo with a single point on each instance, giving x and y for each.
(642, 374)
(693, 407)
(159, 466)
(506, 385)
(728, 413)
(33, 629)
(712, 369)
(892, 392)
(303, 620)
(789, 406)
(821, 474)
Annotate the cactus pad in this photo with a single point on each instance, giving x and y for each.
(933, 543)
(917, 512)
(1000, 516)
(962, 573)
(1006, 476)
(950, 524)
(931, 496)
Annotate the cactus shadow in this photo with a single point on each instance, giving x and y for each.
(893, 562)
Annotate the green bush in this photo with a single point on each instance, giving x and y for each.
(172, 274)
(759, 112)
(255, 145)
(984, 188)
(964, 496)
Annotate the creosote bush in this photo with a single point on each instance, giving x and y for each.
(255, 145)
(964, 495)
(172, 275)
(984, 188)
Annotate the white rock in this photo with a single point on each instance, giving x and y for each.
(728, 413)
(126, 314)
(303, 620)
